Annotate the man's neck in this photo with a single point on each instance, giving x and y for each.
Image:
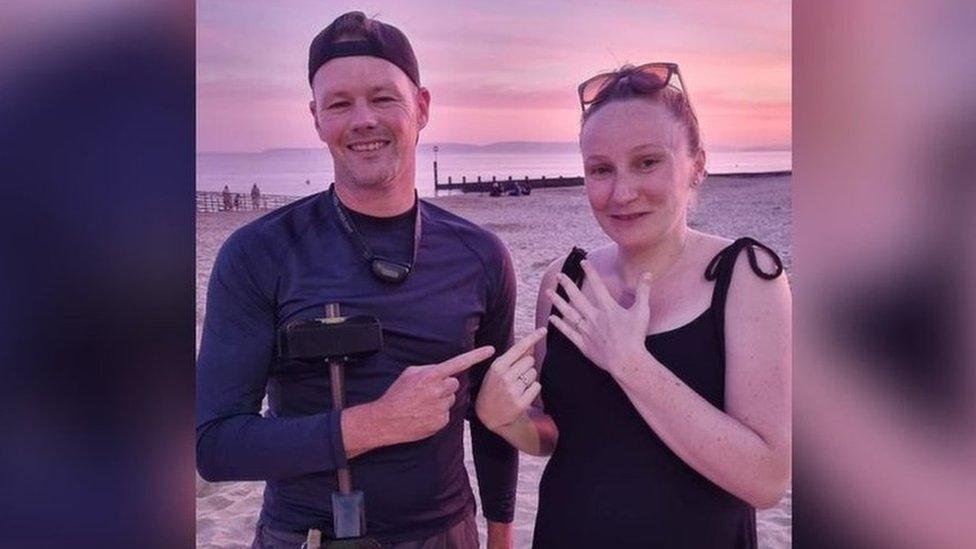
(378, 201)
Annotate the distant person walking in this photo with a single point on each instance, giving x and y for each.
(255, 196)
(227, 199)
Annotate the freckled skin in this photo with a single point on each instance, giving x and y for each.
(636, 160)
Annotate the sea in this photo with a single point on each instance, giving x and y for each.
(300, 172)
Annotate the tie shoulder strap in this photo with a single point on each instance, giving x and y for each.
(720, 270)
(725, 260)
(572, 268)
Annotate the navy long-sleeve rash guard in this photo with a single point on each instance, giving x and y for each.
(286, 266)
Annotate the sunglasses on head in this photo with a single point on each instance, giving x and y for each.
(653, 77)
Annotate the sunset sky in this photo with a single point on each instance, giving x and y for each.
(500, 70)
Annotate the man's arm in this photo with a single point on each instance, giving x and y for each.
(234, 442)
(416, 406)
(496, 461)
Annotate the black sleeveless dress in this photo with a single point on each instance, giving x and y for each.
(611, 482)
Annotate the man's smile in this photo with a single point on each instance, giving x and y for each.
(367, 146)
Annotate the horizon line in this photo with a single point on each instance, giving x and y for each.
(770, 148)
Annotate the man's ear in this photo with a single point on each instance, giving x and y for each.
(423, 108)
(312, 109)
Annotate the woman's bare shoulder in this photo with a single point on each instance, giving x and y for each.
(709, 245)
(751, 289)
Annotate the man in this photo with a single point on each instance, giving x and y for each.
(442, 288)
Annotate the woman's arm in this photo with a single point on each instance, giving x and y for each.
(745, 449)
(522, 421)
(533, 432)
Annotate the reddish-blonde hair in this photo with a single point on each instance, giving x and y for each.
(628, 83)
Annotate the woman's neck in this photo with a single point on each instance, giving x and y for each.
(658, 257)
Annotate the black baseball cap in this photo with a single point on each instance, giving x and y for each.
(354, 34)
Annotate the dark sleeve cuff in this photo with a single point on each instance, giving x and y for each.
(506, 518)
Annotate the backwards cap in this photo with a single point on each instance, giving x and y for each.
(354, 34)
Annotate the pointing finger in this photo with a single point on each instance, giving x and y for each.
(522, 347)
(463, 361)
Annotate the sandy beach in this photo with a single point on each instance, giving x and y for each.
(537, 229)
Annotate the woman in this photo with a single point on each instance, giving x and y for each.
(665, 383)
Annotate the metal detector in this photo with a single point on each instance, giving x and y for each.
(339, 341)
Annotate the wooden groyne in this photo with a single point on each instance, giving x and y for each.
(477, 185)
(214, 201)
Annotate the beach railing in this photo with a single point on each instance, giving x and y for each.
(213, 201)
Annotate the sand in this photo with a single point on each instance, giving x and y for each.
(537, 229)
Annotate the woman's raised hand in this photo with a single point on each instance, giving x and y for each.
(510, 384)
(606, 333)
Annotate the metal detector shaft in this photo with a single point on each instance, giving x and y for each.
(338, 379)
(348, 518)
(338, 382)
